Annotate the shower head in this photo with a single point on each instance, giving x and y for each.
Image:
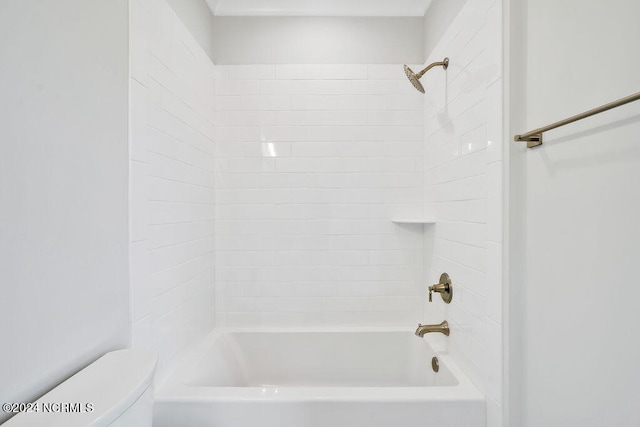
(415, 78)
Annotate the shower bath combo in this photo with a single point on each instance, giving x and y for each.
(291, 378)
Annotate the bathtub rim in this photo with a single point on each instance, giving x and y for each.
(172, 389)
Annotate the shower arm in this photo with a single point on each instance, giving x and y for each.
(444, 64)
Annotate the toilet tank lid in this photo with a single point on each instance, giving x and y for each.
(111, 384)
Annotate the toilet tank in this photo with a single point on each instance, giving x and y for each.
(116, 390)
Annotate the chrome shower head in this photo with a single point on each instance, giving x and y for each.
(415, 78)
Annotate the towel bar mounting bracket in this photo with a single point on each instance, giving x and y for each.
(531, 140)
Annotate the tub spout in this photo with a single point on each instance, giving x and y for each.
(443, 328)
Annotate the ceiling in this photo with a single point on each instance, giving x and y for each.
(381, 8)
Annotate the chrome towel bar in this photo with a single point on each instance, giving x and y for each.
(534, 138)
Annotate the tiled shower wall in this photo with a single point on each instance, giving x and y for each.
(463, 188)
(171, 181)
(312, 164)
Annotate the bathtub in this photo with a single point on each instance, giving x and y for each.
(303, 378)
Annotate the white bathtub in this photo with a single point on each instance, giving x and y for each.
(316, 378)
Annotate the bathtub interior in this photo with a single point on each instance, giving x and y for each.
(315, 359)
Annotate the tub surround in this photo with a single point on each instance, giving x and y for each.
(172, 180)
(312, 163)
(463, 190)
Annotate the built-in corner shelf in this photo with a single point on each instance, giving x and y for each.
(413, 221)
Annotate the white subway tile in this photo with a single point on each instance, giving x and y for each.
(344, 72)
(473, 141)
(251, 72)
(494, 281)
(236, 87)
(359, 102)
(251, 165)
(251, 118)
(409, 102)
(348, 304)
(282, 133)
(495, 138)
(299, 118)
(139, 281)
(386, 72)
(313, 102)
(139, 203)
(374, 87)
(171, 181)
(395, 118)
(473, 234)
(463, 137)
(494, 201)
(239, 133)
(253, 102)
(299, 304)
(327, 87)
(467, 255)
(283, 87)
(344, 118)
(299, 72)
(329, 133)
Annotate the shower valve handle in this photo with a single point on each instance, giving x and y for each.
(444, 288)
(440, 288)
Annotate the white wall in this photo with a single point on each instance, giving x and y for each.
(463, 191)
(198, 19)
(574, 210)
(437, 21)
(171, 160)
(316, 8)
(63, 190)
(317, 40)
(313, 162)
